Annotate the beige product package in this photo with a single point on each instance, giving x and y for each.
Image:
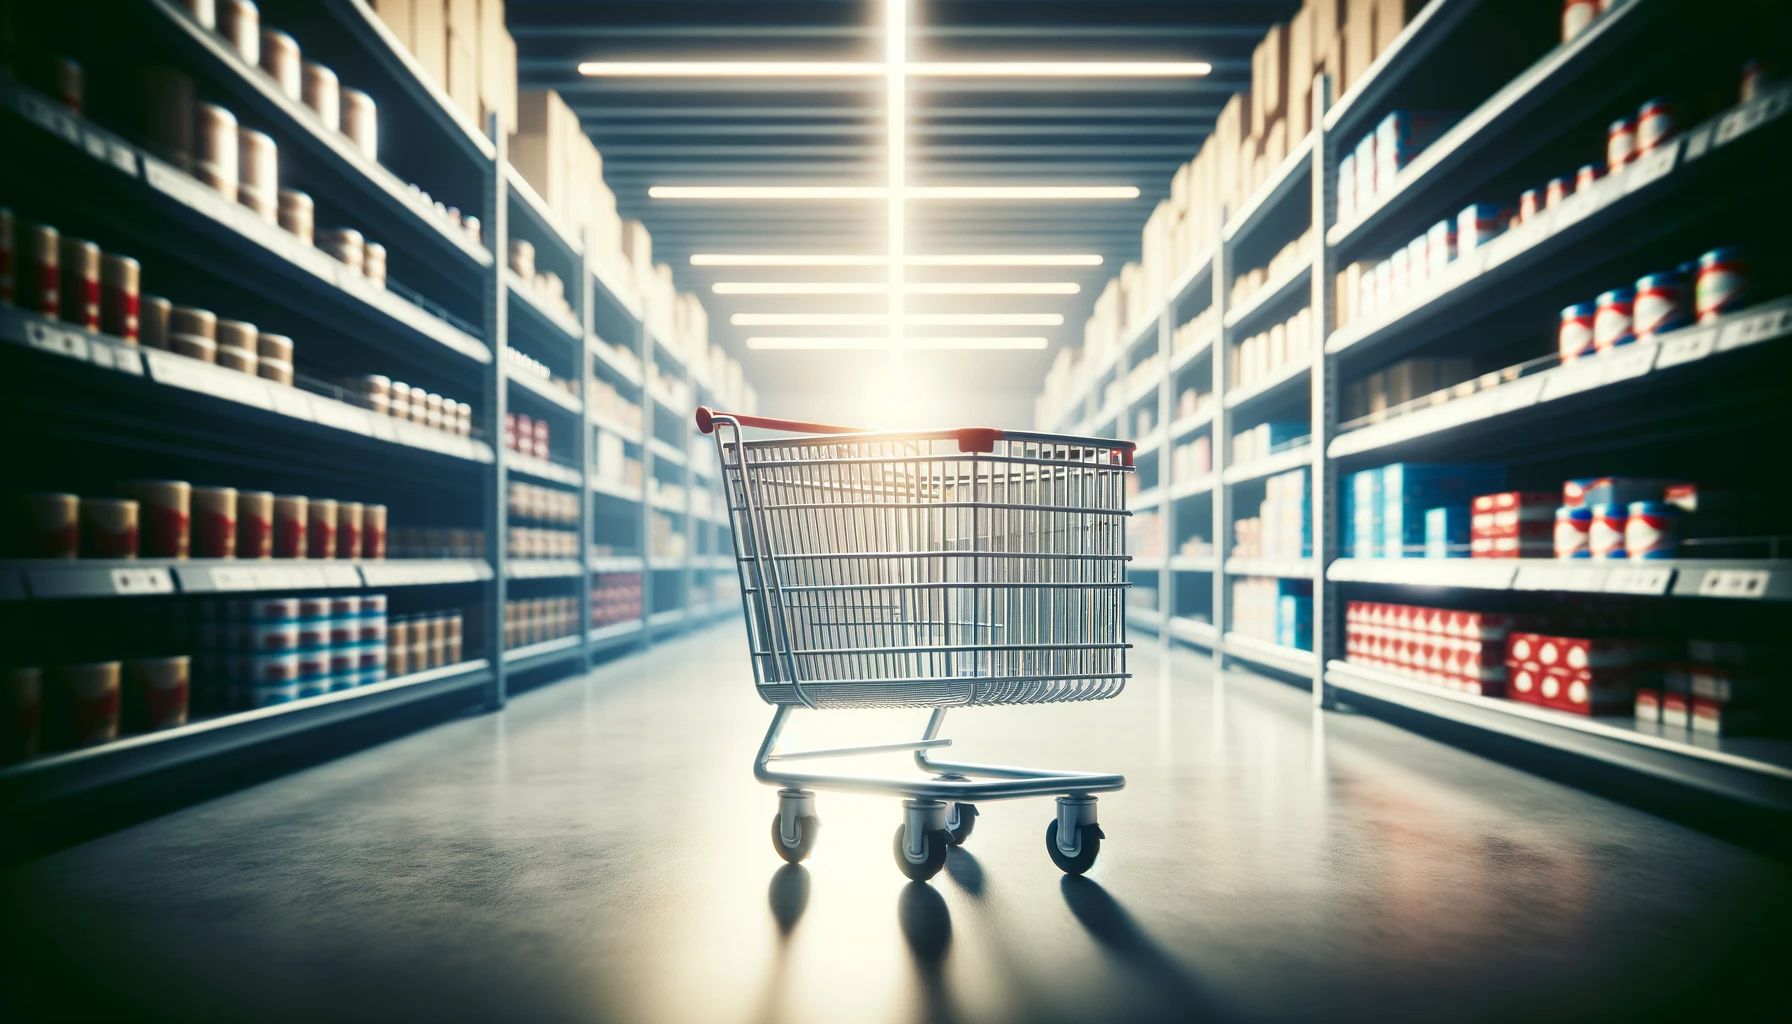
(360, 122)
(120, 301)
(280, 59)
(255, 524)
(258, 174)
(374, 263)
(80, 270)
(156, 692)
(239, 22)
(322, 94)
(297, 215)
(193, 346)
(347, 245)
(215, 159)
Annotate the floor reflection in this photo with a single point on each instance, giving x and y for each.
(789, 896)
(963, 869)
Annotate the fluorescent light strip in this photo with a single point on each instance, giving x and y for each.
(896, 99)
(866, 344)
(865, 69)
(910, 320)
(874, 288)
(996, 193)
(711, 259)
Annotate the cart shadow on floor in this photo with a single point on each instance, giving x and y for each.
(927, 928)
(1170, 990)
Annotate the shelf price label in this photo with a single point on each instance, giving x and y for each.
(64, 341)
(1756, 328)
(1652, 167)
(1685, 346)
(1752, 115)
(1648, 580)
(141, 580)
(1734, 583)
(1559, 577)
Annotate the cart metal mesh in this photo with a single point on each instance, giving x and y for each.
(897, 570)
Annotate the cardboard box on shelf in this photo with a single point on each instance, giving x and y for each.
(397, 16)
(429, 38)
(1300, 54)
(1269, 76)
(1359, 42)
(1391, 17)
(1228, 136)
(490, 56)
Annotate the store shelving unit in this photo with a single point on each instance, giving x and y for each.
(483, 310)
(1513, 122)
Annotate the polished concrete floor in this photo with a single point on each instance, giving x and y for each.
(600, 852)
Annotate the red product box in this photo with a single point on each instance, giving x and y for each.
(1549, 651)
(1676, 710)
(1719, 718)
(1504, 511)
(1524, 682)
(1648, 706)
(1511, 547)
(1589, 691)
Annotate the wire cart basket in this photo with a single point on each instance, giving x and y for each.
(928, 569)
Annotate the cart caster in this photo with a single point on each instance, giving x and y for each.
(960, 820)
(922, 839)
(795, 825)
(1075, 820)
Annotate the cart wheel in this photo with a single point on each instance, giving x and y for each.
(933, 857)
(1090, 836)
(960, 822)
(806, 827)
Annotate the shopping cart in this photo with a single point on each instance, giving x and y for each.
(928, 569)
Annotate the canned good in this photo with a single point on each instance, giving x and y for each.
(191, 320)
(80, 301)
(239, 359)
(349, 517)
(320, 531)
(40, 279)
(1605, 535)
(463, 419)
(1576, 16)
(166, 510)
(1574, 338)
(314, 609)
(345, 668)
(214, 522)
(1573, 525)
(1620, 144)
(360, 122)
(202, 11)
(345, 621)
(52, 525)
(314, 673)
(273, 637)
(1555, 191)
(418, 410)
(277, 370)
(258, 174)
(1722, 283)
(1660, 304)
(239, 22)
(1586, 177)
(297, 215)
(291, 525)
(374, 263)
(347, 245)
(237, 334)
(193, 347)
(522, 259)
(152, 322)
(1652, 531)
(280, 59)
(322, 94)
(399, 403)
(91, 693)
(1477, 225)
(254, 524)
(1612, 319)
(118, 297)
(271, 609)
(156, 692)
(373, 534)
(215, 161)
(432, 410)
(1654, 125)
(1530, 202)
(274, 679)
(1754, 75)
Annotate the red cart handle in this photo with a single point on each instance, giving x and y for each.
(970, 439)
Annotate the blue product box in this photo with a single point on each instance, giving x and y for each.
(1294, 621)
(1410, 489)
(1446, 532)
(1365, 513)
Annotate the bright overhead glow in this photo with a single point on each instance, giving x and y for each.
(884, 319)
(728, 69)
(1008, 260)
(766, 192)
(866, 69)
(819, 344)
(800, 288)
(896, 157)
(784, 193)
(878, 288)
(1062, 69)
(996, 288)
(988, 192)
(711, 259)
(716, 259)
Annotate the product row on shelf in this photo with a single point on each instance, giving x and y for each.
(1513, 350)
(246, 358)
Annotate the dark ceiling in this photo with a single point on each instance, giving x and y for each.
(831, 131)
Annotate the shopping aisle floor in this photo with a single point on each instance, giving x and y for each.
(600, 851)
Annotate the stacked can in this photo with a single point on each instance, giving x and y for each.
(315, 628)
(268, 630)
(1614, 320)
(1574, 339)
(1574, 524)
(345, 642)
(1652, 530)
(1721, 284)
(1654, 126)
(1659, 306)
(371, 667)
(1605, 536)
